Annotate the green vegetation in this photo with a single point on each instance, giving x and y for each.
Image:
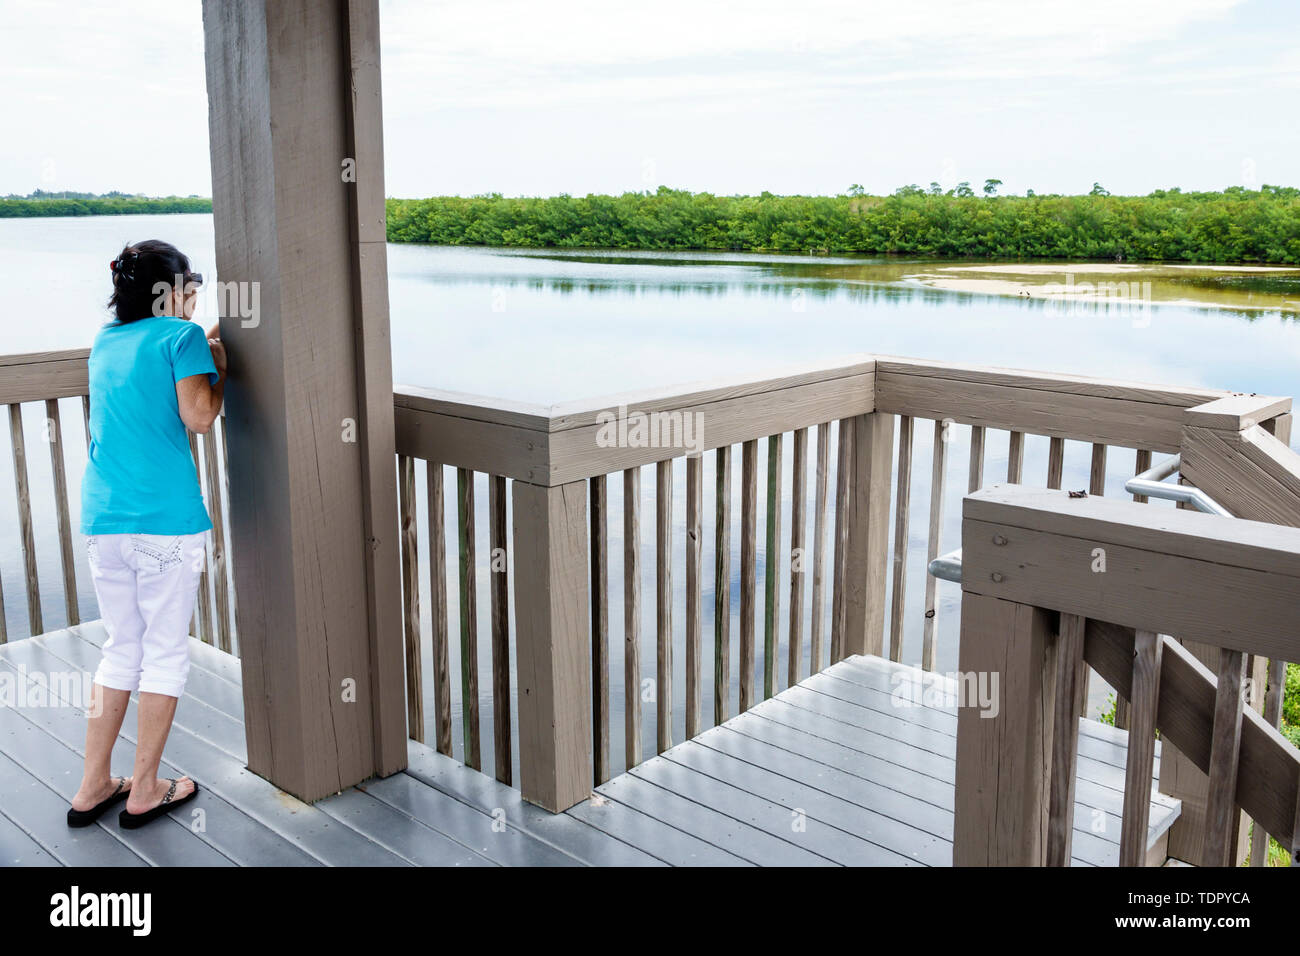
(1236, 225)
(41, 203)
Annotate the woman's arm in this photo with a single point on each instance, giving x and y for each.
(199, 402)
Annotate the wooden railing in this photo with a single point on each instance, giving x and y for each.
(1050, 582)
(46, 378)
(841, 423)
(538, 478)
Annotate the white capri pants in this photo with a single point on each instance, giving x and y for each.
(146, 585)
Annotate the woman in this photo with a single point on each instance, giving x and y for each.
(153, 373)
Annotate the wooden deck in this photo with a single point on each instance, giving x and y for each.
(830, 772)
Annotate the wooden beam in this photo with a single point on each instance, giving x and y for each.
(866, 546)
(552, 643)
(293, 92)
(1001, 808)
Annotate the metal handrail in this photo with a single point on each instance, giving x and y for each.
(1151, 483)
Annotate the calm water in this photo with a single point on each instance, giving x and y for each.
(549, 326)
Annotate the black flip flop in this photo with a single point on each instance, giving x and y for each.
(84, 818)
(130, 821)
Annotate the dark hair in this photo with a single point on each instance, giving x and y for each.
(138, 269)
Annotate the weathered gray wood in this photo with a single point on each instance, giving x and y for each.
(866, 545)
(748, 572)
(1251, 473)
(722, 586)
(1068, 701)
(1145, 698)
(694, 576)
(552, 645)
(438, 612)
(798, 558)
(929, 639)
(772, 569)
(498, 571)
(1268, 778)
(599, 627)
(1236, 412)
(35, 376)
(1001, 809)
(1272, 716)
(1015, 456)
(411, 596)
(1097, 473)
(287, 81)
(54, 436)
(25, 532)
(1225, 755)
(1031, 402)
(1141, 463)
(467, 567)
(203, 608)
(220, 574)
(843, 485)
(902, 502)
(819, 549)
(1055, 461)
(1224, 581)
(664, 605)
(975, 481)
(632, 616)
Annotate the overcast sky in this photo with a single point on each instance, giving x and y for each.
(537, 98)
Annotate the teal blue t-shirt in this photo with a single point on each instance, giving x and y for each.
(140, 476)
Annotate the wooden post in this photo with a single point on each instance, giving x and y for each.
(1003, 760)
(552, 650)
(867, 545)
(297, 172)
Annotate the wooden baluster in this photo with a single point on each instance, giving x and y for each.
(902, 503)
(1225, 749)
(499, 596)
(1142, 462)
(1272, 716)
(1145, 699)
(85, 417)
(798, 559)
(1055, 462)
(468, 619)
(204, 608)
(55, 439)
(410, 595)
(1097, 476)
(819, 551)
(34, 619)
(632, 616)
(1068, 703)
(694, 534)
(722, 588)
(772, 572)
(842, 479)
(438, 611)
(220, 579)
(1015, 457)
(597, 487)
(748, 575)
(664, 604)
(929, 643)
(976, 480)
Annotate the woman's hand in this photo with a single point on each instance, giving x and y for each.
(218, 356)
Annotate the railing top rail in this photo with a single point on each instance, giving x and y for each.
(1229, 582)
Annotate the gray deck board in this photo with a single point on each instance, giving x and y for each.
(834, 771)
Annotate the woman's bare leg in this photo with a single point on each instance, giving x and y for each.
(156, 712)
(107, 708)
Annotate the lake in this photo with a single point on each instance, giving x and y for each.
(555, 325)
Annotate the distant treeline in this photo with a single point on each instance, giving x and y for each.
(42, 203)
(1236, 225)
